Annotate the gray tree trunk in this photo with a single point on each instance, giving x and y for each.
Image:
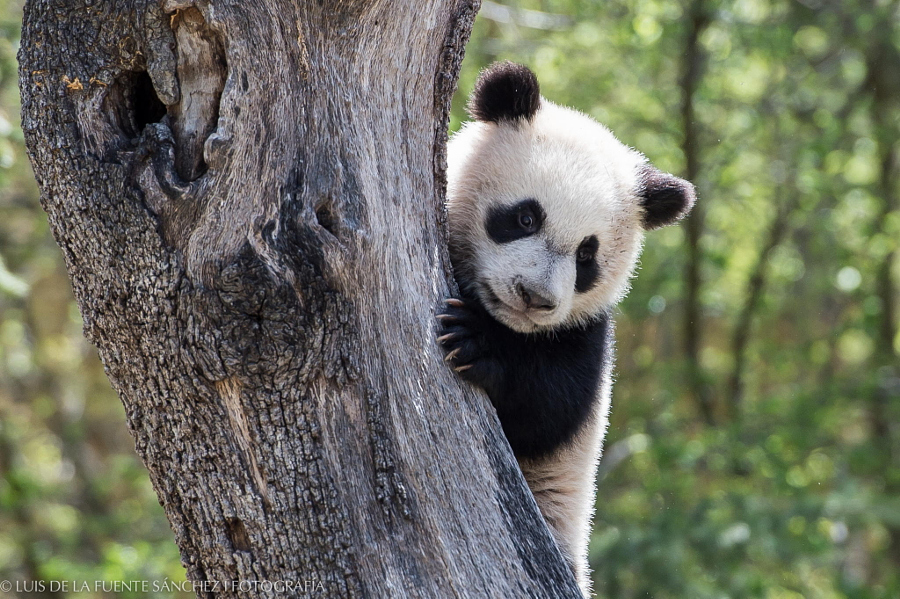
(247, 195)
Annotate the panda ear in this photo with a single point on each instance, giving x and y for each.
(664, 197)
(505, 91)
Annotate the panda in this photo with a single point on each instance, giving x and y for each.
(546, 212)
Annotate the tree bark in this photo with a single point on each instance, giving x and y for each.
(248, 198)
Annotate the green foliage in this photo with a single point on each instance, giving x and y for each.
(795, 491)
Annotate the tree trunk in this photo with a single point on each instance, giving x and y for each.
(882, 57)
(691, 73)
(248, 197)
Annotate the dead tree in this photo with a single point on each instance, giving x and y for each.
(248, 198)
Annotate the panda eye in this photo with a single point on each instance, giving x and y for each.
(587, 250)
(584, 255)
(505, 223)
(526, 221)
(587, 270)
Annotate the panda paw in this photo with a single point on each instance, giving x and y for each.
(465, 343)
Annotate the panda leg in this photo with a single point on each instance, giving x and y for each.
(563, 486)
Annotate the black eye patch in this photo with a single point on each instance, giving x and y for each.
(508, 223)
(587, 271)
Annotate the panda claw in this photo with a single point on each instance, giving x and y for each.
(446, 317)
(447, 337)
(455, 302)
(451, 355)
(462, 368)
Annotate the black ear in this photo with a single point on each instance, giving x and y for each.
(665, 197)
(505, 91)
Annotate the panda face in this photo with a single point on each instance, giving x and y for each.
(547, 208)
(545, 224)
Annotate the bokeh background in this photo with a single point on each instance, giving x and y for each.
(753, 448)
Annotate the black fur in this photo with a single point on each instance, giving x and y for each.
(542, 385)
(665, 197)
(504, 223)
(505, 91)
(587, 271)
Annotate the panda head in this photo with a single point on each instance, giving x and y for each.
(547, 209)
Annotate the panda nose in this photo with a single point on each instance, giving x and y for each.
(534, 299)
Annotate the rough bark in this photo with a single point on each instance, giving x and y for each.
(247, 196)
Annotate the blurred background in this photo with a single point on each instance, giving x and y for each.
(754, 447)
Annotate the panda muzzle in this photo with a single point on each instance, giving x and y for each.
(534, 299)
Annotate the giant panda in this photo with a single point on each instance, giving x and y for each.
(547, 212)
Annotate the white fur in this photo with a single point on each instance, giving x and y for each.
(584, 178)
(586, 181)
(563, 486)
